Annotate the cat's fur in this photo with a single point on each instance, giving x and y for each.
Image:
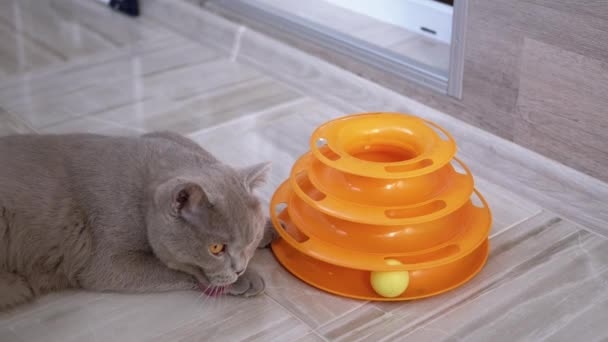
(132, 214)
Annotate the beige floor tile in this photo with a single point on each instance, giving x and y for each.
(238, 319)
(542, 299)
(9, 124)
(555, 187)
(48, 32)
(160, 70)
(187, 18)
(358, 324)
(225, 100)
(89, 125)
(7, 335)
(311, 337)
(288, 131)
(66, 301)
(161, 316)
(312, 306)
(155, 87)
(507, 208)
(254, 121)
(147, 56)
(281, 136)
(529, 264)
(18, 55)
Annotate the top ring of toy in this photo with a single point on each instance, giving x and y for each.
(409, 146)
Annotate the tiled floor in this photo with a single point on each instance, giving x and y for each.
(546, 277)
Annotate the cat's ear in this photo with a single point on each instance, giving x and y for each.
(188, 199)
(255, 176)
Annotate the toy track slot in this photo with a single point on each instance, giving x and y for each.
(383, 152)
(329, 153)
(458, 167)
(477, 201)
(321, 142)
(306, 185)
(279, 208)
(409, 167)
(422, 210)
(290, 227)
(441, 253)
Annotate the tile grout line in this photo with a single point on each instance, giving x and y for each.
(236, 48)
(258, 114)
(296, 317)
(201, 95)
(319, 335)
(80, 62)
(19, 120)
(108, 122)
(580, 226)
(199, 39)
(344, 314)
(520, 221)
(298, 88)
(91, 115)
(224, 88)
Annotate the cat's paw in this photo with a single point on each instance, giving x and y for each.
(270, 234)
(248, 285)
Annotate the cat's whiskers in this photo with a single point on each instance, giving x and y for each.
(199, 298)
(199, 302)
(206, 294)
(223, 295)
(219, 297)
(216, 290)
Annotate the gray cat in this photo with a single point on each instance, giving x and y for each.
(133, 214)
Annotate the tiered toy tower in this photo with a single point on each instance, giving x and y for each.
(381, 193)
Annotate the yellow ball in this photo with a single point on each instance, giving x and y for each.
(390, 284)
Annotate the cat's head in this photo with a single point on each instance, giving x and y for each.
(208, 225)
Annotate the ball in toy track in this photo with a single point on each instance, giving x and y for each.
(390, 284)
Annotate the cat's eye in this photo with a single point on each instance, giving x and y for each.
(216, 248)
